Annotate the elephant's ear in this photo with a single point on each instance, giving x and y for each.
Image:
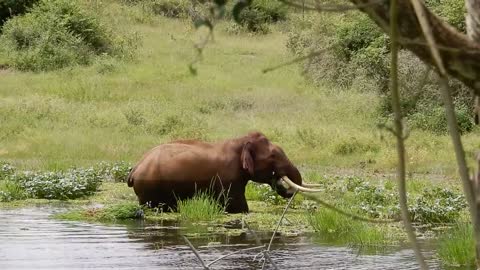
(246, 157)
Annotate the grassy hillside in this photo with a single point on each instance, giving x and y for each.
(114, 110)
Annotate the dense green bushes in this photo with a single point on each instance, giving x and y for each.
(56, 34)
(9, 8)
(71, 184)
(354, 53)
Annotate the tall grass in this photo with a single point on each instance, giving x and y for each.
(340, 229)
(202, 207)
(457, 247)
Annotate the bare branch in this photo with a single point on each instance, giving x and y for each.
(397, 109)
(278, 225)
(195, 252)
(463, 63)
(232, 253)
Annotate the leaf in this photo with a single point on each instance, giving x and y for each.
(237, 9)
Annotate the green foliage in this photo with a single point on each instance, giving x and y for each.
(353, 145)
(256, 17)
(338, 228)
(117, 171)
(11, 190)
(437, 205)
(457, 247)
(434, 119)
(254, 191)
(6, 170)
(9, 8)
(122, 211)
(202, 207)
(376, 201)
(354, 53)
(72, 184)
(452, 11)
(56, 34)
(172, 8)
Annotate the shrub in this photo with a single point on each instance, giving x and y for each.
(172, 8)
(257, 16)
(123, 211)
(74, 183)
(437, 205)
(457, 247)
(56, 34)
(434, 119)
(117, 171)
(376, 201)
(354, 53)
(201, 207)
(9, 8)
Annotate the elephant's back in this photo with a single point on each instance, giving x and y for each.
(173, 162)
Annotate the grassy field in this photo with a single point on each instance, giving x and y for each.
(117, 110)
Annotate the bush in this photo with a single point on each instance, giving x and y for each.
(122, 211)
(172, 8)
(201, 207)
(9, 8)
(257, 16)
(353, 53)
(56, 34)
(437, 205)
(434, 119)
(74, 183)
(116, 172)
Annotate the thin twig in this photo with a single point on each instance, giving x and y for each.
(352, 216)
(257, 240)
(278, 224)
(195, 252)
(298, 59)
(232, 253)
(397, 109)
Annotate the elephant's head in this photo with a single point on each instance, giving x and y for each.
(267, 163)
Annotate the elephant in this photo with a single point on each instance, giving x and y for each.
(178, 169)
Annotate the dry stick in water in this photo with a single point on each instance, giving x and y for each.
(195, 252)
(401, 167)
(257, 240)
(278, 225)
(468, 188)
(234, 252)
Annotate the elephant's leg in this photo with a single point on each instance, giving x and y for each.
(237, 204)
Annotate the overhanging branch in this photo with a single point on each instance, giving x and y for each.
(461, 61)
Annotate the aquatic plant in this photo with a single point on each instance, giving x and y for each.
(72, 184)
(122, 211)
(201, 207)
(456, 247)
(116, 171)
(11, 190)
(437, 205)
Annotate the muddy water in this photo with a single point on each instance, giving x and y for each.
(30, 239)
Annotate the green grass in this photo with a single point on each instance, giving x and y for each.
(202, 207)
(114, 110)
(457, 247)
(254, 192)
(334, 227)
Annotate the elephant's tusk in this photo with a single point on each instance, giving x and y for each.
(299, 188)
(311, 185)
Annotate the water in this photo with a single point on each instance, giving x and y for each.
(29, 239)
